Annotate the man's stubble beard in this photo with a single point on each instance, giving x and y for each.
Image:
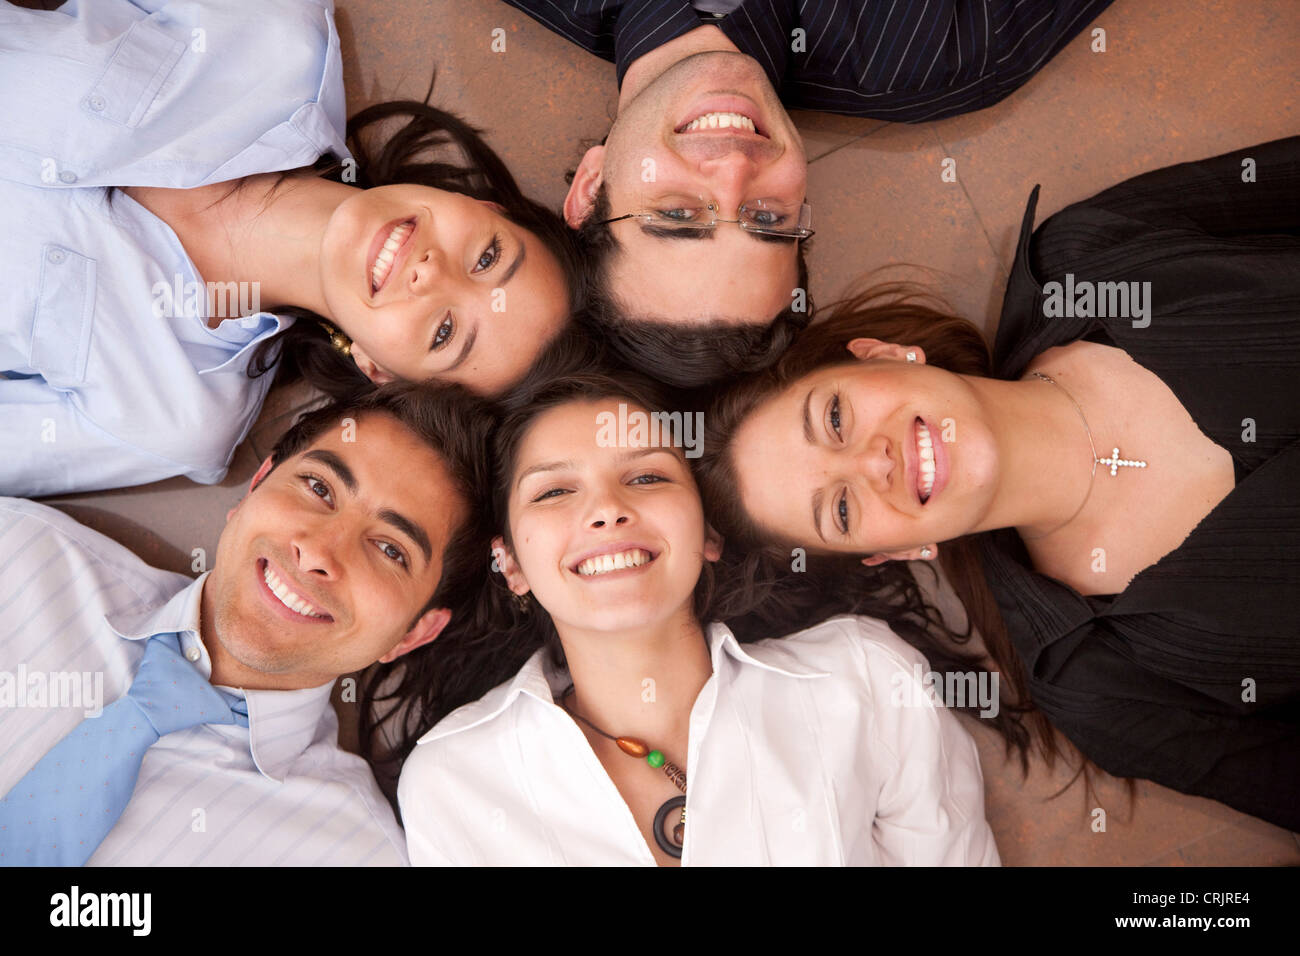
(650, 103)
(233, 631)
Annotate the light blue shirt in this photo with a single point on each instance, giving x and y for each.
(105, 380)
(76, 610)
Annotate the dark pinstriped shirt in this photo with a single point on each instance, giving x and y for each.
(1151, 682)
(906, 60)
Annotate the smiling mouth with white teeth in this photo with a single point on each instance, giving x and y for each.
(383, 263)
(288, 597)
(617, 561)
(925, 461)
(722, 120)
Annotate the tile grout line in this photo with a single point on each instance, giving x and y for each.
(1178, 850)
(848, 142)
(997, 256)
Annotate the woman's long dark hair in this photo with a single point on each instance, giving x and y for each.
(416, 152)
(901, 313)
(755, 594)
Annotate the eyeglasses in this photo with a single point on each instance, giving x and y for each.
(769, 217)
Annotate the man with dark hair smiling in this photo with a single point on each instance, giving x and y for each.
(693, 209)
(201, 732)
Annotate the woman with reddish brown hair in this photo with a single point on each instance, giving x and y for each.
(1112, 491)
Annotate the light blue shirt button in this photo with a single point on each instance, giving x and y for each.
(56, 256)
(68, 176)
(192, 653)
(97, 103)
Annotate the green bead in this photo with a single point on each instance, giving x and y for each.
(655, 759)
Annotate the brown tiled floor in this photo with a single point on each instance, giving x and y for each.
(1177, 82)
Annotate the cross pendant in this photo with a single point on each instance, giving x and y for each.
(1114, 461)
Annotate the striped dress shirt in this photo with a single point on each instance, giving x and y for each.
(902, 60)
(75, 612)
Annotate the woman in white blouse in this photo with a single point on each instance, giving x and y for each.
(178, 186)
(638, 733)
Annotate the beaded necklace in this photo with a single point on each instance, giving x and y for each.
(635, 747)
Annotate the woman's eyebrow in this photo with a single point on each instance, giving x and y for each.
(514, 266)
(817, 498)
(464, 352)
(544, 466)
(819, 495)
(643, 452)
(569, 465)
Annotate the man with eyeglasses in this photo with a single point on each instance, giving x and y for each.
(692, 211)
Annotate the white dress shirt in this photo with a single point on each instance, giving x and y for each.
(75, 610)
(105, 379)
(800, 753)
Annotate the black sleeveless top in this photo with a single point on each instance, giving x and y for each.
(1191, 676)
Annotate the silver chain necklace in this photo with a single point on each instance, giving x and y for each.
(1114, 462)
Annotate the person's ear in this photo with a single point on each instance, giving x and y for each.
(369, 367)
(504, 561)
(428, 627)
(865, 348)
(927, 553)
(262, 472)
(585, 185)
(712, 543)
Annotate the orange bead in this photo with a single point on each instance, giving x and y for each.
(632, 747)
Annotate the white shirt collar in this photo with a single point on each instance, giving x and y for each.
(281, 723)
(537, 678)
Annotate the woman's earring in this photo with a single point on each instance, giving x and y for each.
(927, 553)
(341, 343)
(522, 603)
(911, 356)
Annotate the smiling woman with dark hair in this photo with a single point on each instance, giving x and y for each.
(1126, 464)
(186, 189)
(636, 728)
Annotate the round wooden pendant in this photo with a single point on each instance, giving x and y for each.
(679, 831)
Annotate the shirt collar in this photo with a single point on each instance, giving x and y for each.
(281, 723)
(540, 680)
(531, 680)
(1021, 317)
(1039, 611)
(774, 655)
(648, 24)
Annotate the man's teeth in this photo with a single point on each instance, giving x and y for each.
(925, 447)
(290, 600)
(604, 563)
(720, 121)
(384, 261)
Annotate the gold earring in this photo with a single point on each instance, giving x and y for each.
(522, 603)
(342, 344)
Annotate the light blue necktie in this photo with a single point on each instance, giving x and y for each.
(61, 811)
